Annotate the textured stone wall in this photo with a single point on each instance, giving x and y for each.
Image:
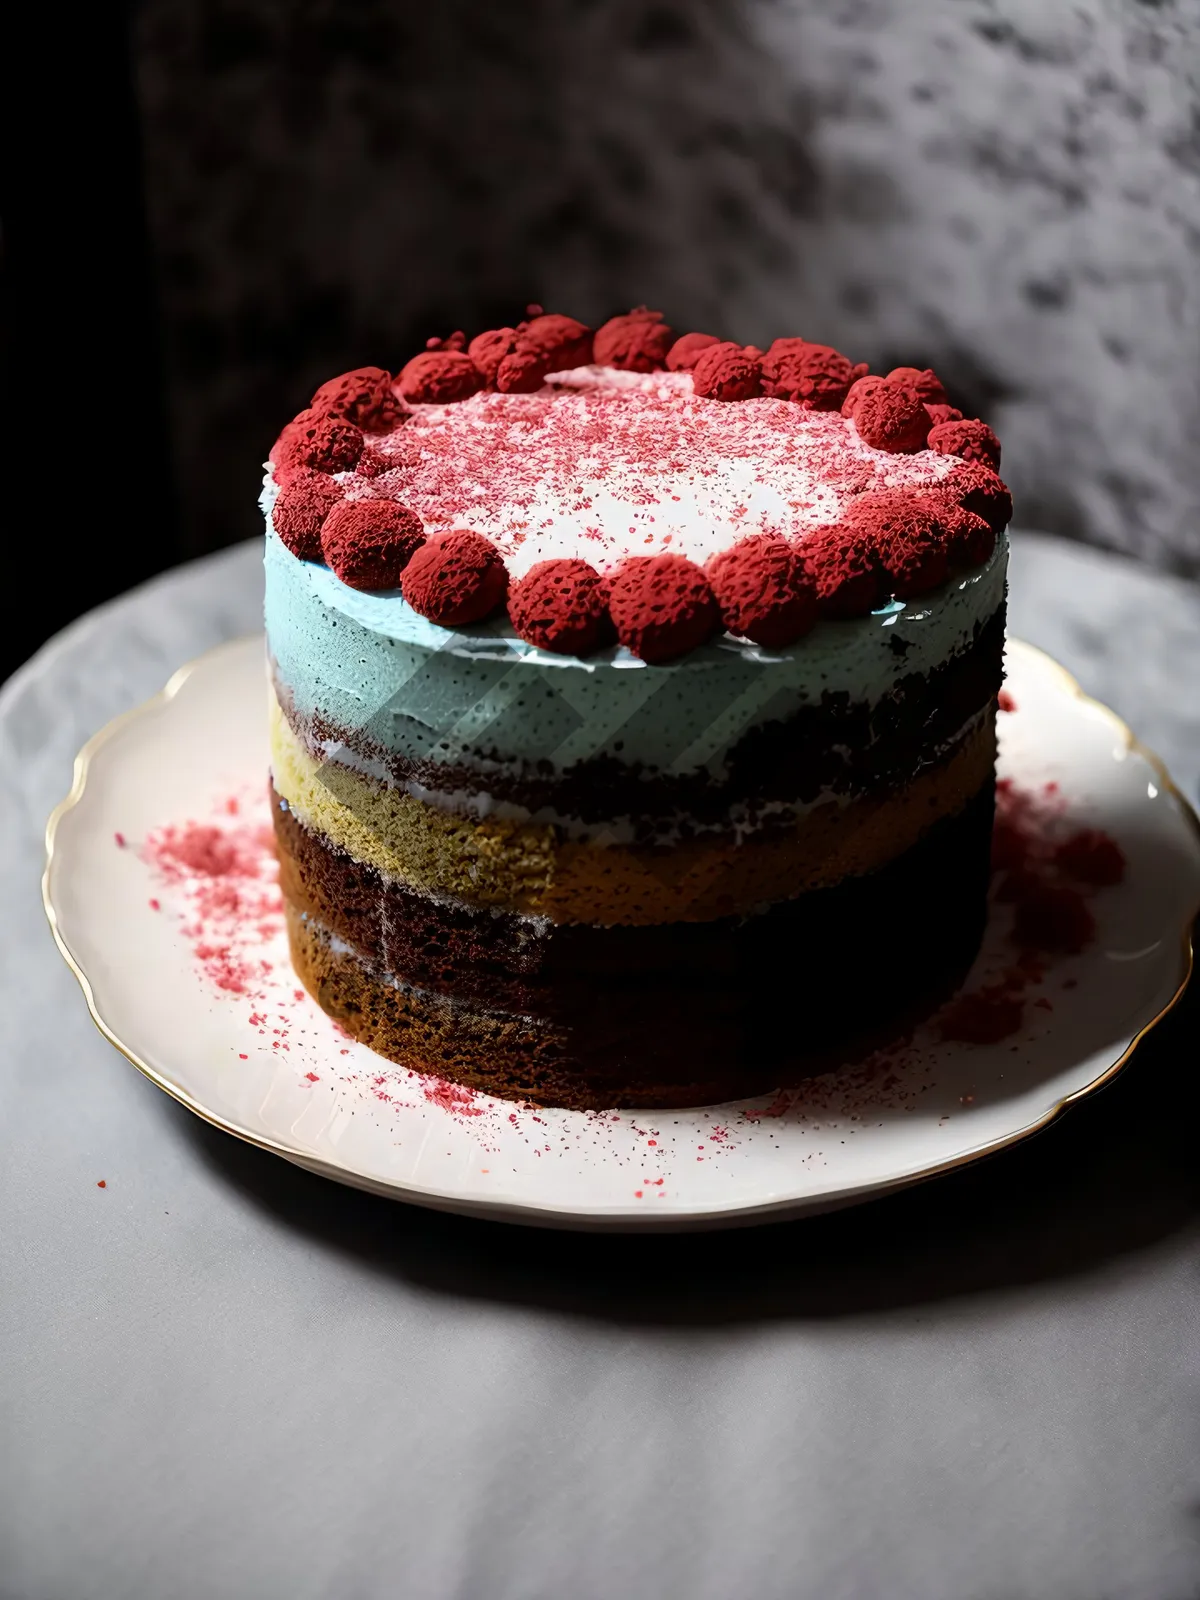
(1009, 191)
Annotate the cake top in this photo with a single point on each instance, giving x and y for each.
(637, 485)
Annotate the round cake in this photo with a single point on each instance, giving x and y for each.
(633, 706)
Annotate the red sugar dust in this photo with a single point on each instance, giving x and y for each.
(453, 1097)
(226, 877)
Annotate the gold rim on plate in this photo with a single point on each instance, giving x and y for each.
(515, 1211)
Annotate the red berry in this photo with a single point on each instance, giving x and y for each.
(925, 382)
(559, 342)
(368, 543)
(488, 350)
(904, 531)
(637, 342)
(764, 589)
(300, 509)
(520, 373)
(559, 605)
(941, 413)
(859, 390)
(439, 377)
(684, 353)
(970, 538)
(324, 443)
(813, 375)
(892, 418)
(726, 372)
(977, 488)
(968, 438)
(844, 569)
(662, 606)
(364, 397)
(455, 578)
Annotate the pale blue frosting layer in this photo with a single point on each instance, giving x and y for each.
(369, 663)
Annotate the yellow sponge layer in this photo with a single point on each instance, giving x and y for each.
(535, 869)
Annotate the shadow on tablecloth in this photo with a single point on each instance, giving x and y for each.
(1115, 1175)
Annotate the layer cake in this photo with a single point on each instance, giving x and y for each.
(633, 706)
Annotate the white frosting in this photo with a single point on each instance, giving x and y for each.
(602, 464)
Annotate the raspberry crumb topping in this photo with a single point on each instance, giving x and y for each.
(456, 578)
(706, 483)
(560, 606)
(661, 606)
(845, 571)
(488, 350)
(977, 488)
(765, 590)
(686, 351)
(889, 417)
(726, 372)
(559, 342)
(364, 397)
(438, 377)
(906, 536)
(300, 510)
(368, 543)
(941, 413)
(326, 444)
(813, 375)
(972, 440)
(923, 381)
(636, 342)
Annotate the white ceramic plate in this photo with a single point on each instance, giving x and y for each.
(187, 974)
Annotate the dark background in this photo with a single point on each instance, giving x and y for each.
(223, 202)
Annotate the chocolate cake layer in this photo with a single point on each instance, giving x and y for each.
(677, 1015)
(833, 745)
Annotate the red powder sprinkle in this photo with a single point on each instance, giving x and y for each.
(439, 377)
(1053, 916)
(227, 880)
(368, 543)
(560, 605)
(983, 1018)
(1005, 701)
(973, 441)
(636, 342)
(312, 1077)
(119, 840)
(1093, 857)
(726, 372)
(686, 351)
(456, 578)
(101, 1183)
(242, 1056)
(455, 1098)
(661, 606)
(154, 905)
(765, 590)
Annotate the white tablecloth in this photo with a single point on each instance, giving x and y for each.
(221, 1377)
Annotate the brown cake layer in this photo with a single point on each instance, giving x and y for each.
(674, 1015)
(834, 745)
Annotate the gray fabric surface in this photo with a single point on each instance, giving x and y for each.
(221, 1377)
